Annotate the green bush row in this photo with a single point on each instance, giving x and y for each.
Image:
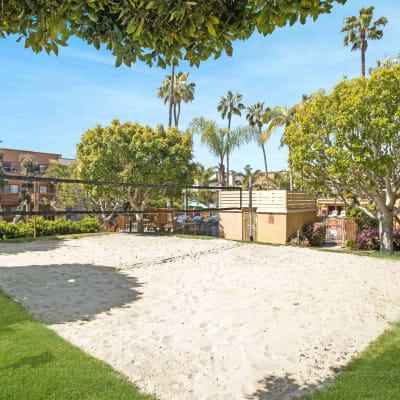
(59, 226)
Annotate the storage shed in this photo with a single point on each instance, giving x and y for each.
(277, 215)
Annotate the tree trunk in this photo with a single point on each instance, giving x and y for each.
(227, 152)
(363, 62)
(171, 95)
(386, 231)
(18, 217)
(140, 222)
(175, 119)
(221, 173)
(178, 114)
(266, 165)
(1, 209)
(363, 50)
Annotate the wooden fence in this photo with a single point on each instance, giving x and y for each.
(269, 200)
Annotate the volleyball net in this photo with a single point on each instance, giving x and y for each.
(119, 206)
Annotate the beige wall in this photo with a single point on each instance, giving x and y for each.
(273, 228)
(296, 221)
(230, 225)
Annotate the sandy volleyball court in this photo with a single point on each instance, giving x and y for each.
(206, 319)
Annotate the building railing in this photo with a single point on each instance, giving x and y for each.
(14, 197)
(9, 197)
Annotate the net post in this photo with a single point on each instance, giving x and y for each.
(251, 209)
(34, 208)
(186, 201)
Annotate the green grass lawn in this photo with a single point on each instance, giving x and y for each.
(374, 375)
(36, 364)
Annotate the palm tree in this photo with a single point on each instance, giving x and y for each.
(386, 63)
(256, 116)
(282, 180)
(204, 177)
(218, 141)
(228, 106)
(282, 116)
(182, 91)
(360, 30)
(246, 177)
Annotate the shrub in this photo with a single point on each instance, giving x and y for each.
(315, 233)
(59, 226)
(351, 244)
(368, 239)
(86, 225)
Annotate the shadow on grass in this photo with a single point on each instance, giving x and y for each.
(32, 362)
(68, 292)
(283, 388)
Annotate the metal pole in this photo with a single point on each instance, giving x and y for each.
(34, 208)
(251, 208)
(186, 201)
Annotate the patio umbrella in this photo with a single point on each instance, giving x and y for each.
(196, 204)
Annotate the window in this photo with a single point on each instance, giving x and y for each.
(42, 189)
(40, 169)
(11, 166)
(11, 188)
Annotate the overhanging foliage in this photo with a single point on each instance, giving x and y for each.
(156, 31)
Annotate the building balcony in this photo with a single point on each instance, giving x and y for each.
(9, 198)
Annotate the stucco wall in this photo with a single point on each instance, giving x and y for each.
(230, 225)
(296, 221)
(271, 228)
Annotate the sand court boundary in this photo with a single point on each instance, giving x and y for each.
(206, 319)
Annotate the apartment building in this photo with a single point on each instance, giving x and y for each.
(11, 165)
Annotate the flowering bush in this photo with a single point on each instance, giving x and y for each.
(396, 239)
(368, 239)
(315, 233)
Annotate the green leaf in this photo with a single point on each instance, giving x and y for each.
(118, 61)
(54, 32)
(211, 29)
(93, 16)
(213, 20)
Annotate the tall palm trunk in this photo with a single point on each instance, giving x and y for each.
(265, 157)
(227, 152)
(171, 95)
(363, 50)
(221, 172)
(178, 114)
(175, 117)
(266, 165)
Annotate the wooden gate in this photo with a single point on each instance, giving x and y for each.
(246, 226)
(338, 230)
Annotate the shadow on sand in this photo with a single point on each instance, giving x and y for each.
(284, 388)
(35, 245)
(68, 292)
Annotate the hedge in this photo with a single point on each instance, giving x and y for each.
(59, 226)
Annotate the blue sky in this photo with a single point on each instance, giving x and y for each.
(47, 102)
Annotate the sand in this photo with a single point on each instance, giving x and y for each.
(206, 319)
